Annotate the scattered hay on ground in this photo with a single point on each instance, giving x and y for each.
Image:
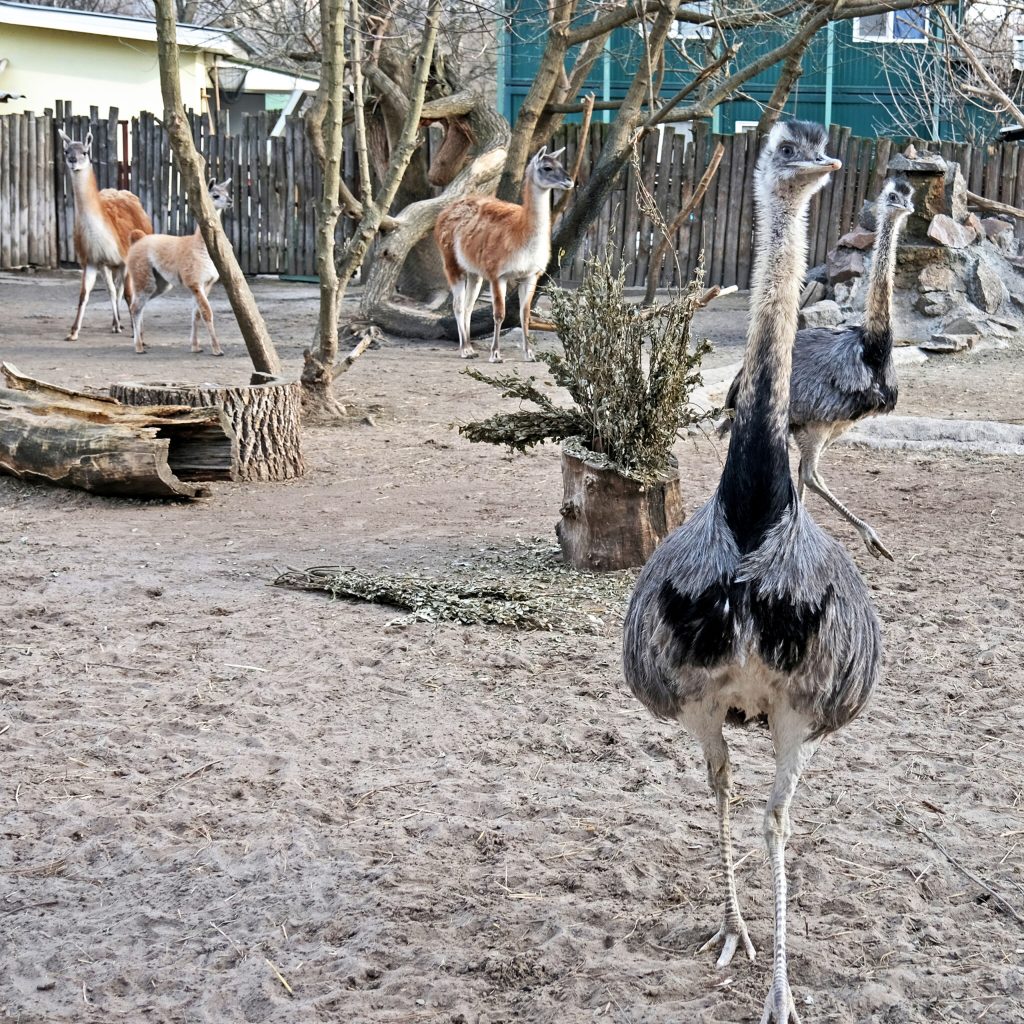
(524, 588)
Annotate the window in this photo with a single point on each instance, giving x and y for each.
(687, 29)
(907, 26)
(742, 127)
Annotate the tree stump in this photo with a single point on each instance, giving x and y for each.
(265, 419)
(53, 435)
(610, 521)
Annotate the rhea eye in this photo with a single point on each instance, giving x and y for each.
(786, 150)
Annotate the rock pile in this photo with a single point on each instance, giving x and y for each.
(959, 278)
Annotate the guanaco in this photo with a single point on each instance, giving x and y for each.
(485, 238)
(104, 223)
(158, 262)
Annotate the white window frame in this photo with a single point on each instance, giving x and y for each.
(1018, 53)
(742, 127)
(890, 26)
(687, 29)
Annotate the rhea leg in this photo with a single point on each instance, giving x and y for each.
(811, 444)
(498, 288)
(793, 750)
(526, 289)
(88, 280)
(716, 753)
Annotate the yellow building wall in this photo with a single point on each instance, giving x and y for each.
(100, 71)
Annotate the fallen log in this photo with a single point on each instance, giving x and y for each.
(264, 419)
(53, 435)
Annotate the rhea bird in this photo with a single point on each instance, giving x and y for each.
(844, 375)
(750, 609)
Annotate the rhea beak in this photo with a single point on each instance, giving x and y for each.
(826, 165)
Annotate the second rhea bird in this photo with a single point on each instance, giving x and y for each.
(844, 375)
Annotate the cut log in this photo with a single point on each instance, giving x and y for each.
(264, 418)
(610, 521)
(53, 435)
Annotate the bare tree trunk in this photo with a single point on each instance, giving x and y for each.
(320, 369)
(548, 74)
(379, 305)
(792, 69)
(193, 173)
(325, 131)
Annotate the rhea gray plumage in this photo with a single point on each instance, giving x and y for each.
(841, 376)
(750, 606)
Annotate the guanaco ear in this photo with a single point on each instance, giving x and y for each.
(211, 184)
(88, 144)
(557, 153)
(540, 153)
(65, 138)
(226, 183)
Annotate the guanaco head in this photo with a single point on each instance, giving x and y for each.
(77, 155)
(547, 170)
(220, 193)
(793, 163)
(896, 200)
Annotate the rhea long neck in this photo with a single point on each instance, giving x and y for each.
(878, 306)
(756, 488)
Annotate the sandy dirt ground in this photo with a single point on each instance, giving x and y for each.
(223, 801)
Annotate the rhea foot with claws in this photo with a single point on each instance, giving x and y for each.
(730, 935)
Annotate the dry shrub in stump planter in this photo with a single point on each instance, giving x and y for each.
(264, 419)
(630, 372)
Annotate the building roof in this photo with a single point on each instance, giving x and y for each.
(60, 19)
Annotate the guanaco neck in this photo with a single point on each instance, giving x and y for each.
(536, 209)
(878, 306)
(86, 192)
(756, 488)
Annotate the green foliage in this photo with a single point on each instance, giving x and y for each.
(629, 371)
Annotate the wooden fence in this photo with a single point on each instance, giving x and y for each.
(275, 182)
(722, 223)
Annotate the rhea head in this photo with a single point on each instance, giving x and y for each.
(896, 200)
(793, 164)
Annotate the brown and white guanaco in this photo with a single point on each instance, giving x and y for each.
(104, 223)
(483, 238)
(156, 263)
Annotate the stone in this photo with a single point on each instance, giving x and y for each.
(996, 227)
(985, 288)
(974, 224)
(936, 278)
(946, 231)
(933, 303)
(818, 273)
(941, 342)
(843, 294)
(822, 314)
(964, 323)
(814, 291)
(844, 265)
(858, 238)
(867, 219)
